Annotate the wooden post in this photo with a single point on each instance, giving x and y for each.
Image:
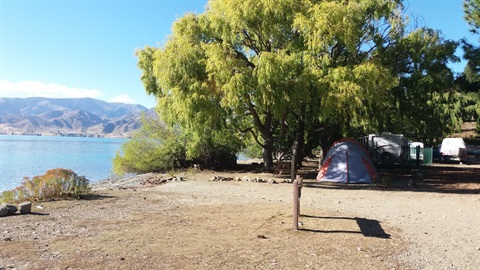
(296, 206)
(297, 194)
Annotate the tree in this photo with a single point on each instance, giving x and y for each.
(471, 52)
(472, 14)
(470, 80)
(264, 68)
(424, 106)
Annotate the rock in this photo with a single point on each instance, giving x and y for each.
(258, 180)
(10, 208)
(25, 208)
(3, 210)
(246, 179)
(272, 181)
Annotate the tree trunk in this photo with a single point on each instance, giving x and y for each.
(300, 137)
(268, 153)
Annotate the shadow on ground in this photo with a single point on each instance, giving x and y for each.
(367, 227)
(445, 178)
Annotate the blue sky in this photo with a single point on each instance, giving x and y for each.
(77, 48)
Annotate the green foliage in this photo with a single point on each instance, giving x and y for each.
(156, 147)
(425, 105)
(153, 147)
(55, 183)
(274, 72)
(477, 126)
(472, 14)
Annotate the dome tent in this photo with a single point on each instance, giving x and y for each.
(347, 162)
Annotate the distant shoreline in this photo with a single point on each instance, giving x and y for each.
(71, 135)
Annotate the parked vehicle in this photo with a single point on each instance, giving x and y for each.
(453, 149)
(473, 154)
(386, 148)
(413, 150)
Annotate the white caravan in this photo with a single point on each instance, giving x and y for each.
(453, 149)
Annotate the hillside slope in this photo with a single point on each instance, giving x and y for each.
(69, 117)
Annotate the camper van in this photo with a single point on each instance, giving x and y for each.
(453, 149)
(386, 148)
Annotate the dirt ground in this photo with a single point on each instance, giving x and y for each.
(426, 219)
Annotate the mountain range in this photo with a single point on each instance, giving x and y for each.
(69, 117)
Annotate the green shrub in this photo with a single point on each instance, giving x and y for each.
(152, 148)
(158, 148)
(55, 183)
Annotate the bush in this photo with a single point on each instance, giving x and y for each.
(158, 148)
(152, 148)
(55, 183)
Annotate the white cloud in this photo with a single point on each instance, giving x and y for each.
(123, 98)
(41, 89)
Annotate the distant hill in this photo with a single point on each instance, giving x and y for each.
(69, 117)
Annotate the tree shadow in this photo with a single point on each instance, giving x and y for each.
(368, 227)
(443, 178)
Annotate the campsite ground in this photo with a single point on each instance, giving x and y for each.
(427, 220)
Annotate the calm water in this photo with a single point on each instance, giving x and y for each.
(33, 155)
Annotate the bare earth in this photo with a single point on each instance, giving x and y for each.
(202, 224)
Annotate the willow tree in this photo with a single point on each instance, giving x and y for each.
(263, 69)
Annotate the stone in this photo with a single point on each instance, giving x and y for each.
(272, 181)
(25, 208)
(12, 209)
(3, 210)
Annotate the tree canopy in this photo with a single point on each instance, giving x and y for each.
(469, 82)
(472, 14)
(277, 72)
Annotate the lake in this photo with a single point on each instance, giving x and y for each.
(30, 156)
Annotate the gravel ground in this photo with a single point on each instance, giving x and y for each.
(440, 230)
(350, 228)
